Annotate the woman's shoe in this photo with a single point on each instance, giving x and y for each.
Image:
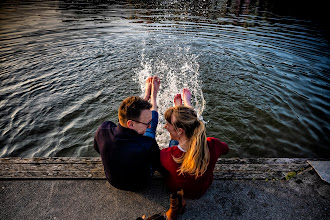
(154, 217)
(182, 202)
(177, 206)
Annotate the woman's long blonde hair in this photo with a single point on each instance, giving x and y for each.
(196, 160)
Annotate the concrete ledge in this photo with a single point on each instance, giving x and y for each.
(92, 168)
(75, 188)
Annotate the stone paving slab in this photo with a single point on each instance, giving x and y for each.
(92, 168)
(322, 168)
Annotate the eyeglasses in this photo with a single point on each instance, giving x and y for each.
(147, 124)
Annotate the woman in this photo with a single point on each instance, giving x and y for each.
(191, 161)
(191, 157)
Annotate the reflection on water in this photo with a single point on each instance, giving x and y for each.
(259, 72)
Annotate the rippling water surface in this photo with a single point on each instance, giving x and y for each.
(258, 70)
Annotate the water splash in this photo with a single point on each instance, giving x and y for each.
(177, 68)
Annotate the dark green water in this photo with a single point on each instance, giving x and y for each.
(258, 70)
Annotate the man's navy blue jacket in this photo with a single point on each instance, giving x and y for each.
(128, 158)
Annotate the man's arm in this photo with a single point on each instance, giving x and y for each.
(156, 159)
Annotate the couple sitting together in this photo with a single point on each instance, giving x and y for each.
(130, 153)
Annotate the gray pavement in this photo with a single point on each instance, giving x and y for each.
(304, 196)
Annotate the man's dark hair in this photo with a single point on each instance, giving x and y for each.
(131, 108)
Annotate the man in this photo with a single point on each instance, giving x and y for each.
(129, 151)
